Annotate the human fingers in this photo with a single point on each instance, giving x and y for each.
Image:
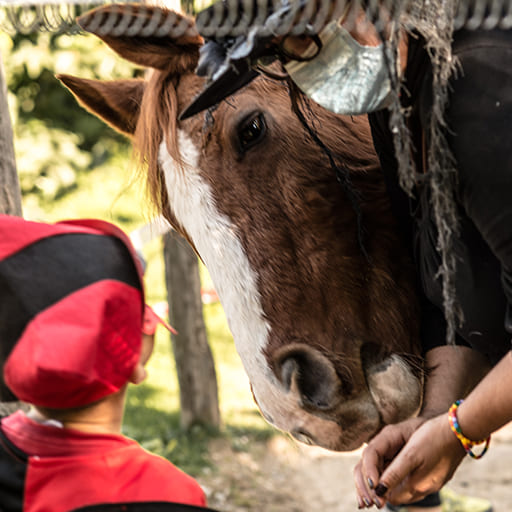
(364, 489)
(374, 458)
(384, 447)
(393, 483)
(424, 465)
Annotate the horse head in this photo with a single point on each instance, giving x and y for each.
(326, 326)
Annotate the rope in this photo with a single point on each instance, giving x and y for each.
(27, 17)
(236, 17)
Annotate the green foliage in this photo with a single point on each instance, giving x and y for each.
(159, 431)
(50, 171)
(56, 139)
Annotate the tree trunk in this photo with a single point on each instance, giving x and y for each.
(10, 197)
(194, 360)
(10, 203)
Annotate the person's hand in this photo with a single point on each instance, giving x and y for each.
(377, 455)
(424, 464)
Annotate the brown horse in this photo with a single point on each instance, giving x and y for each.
(328, 335)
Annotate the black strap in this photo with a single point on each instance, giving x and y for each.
(154, 506)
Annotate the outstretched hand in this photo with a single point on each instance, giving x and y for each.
(407, 461)
(377, 455)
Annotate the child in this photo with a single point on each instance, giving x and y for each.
(71, 319)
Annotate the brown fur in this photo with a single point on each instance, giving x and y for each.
(297, 228)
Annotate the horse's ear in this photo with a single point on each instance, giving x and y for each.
(135, 33)
(117, 102)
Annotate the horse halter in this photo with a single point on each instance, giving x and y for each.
(232, 63)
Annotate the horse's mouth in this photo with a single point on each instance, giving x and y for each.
(305, 395)
(330, 435)
(396, 388)
(393, 393)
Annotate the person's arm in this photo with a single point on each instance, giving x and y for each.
(489, 406)
(427, 460)
(454, 372)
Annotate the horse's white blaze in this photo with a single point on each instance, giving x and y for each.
(216, 240)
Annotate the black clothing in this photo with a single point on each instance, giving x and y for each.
(479, 118)
(429, 501)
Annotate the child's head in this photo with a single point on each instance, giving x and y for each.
(72, 310)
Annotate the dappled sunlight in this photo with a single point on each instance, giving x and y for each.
(276, 475)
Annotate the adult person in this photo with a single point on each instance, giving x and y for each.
(75, 332)
(478, 109)
(440, 106)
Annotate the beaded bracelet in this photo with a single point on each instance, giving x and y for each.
(466, 443)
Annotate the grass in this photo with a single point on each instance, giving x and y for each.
(152, 414)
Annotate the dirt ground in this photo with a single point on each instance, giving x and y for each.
(282, 476)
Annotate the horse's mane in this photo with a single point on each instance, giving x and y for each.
(157, 121)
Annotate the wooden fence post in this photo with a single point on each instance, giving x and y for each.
(10, 203)
(194, 360)
(10, 196)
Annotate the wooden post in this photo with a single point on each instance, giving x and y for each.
(10, 196)
(194, 360)
(10, 203)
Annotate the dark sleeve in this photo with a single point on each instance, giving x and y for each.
(150, 506)
(433, 327)
(433, 323)
(480, 119)
(13, 469)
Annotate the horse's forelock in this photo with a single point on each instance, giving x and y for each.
(157, 121)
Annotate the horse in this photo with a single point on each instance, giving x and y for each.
(326, 324)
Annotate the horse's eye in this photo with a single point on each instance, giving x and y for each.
(251, 131)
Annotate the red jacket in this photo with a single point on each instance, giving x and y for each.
(65, 469)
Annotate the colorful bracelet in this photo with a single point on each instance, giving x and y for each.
(467, 444)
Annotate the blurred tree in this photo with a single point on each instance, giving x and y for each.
(10, 197)
(194, 361)
(56, 140)
(10, 203)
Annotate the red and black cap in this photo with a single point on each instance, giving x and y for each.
(71, 310)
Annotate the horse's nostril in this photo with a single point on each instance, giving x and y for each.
(288, 368)
(307, 373)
